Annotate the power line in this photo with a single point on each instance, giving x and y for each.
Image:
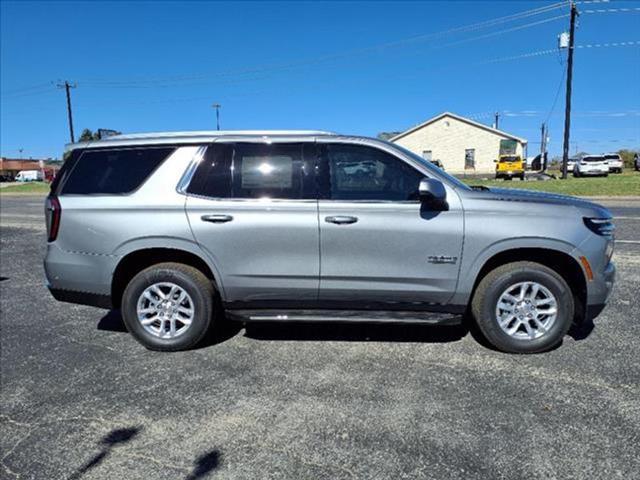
(349, 53)
(508, 30)
(612, 44)
(557, 95)
(612, 10)
(29, 92)
(177, 81)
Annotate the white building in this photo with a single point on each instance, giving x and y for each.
(462, 145)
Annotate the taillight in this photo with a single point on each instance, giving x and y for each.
(53, 212)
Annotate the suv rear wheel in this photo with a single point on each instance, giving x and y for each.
(523, 307)
(168, 306)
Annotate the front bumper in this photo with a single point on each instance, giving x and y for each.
(599, 290)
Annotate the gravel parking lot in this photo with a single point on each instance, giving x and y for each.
(81, 399)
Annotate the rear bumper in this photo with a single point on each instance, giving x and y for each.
(81, 298)
(77, 277)
(593, 172)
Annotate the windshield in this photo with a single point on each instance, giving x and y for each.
(612, 157)
(593, 159)
(437, 171)
(509, 159)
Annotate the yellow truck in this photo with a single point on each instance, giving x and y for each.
(509, 164)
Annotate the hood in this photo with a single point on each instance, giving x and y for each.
(524, 197)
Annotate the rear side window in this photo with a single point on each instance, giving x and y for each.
(113, 171)
(256, 170)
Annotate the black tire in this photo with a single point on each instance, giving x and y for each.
(191, 280)
(576, 174)
(522, 177)
(491, 287)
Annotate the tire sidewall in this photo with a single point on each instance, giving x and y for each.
(551, 338)
(202, 309)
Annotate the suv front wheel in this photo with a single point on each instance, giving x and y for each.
(168, 306)
(523, 307)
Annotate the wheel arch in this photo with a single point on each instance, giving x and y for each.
(139, 259)
(558, 260)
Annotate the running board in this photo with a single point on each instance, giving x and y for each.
(344, 316)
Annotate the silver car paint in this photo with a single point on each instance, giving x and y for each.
(277, 249)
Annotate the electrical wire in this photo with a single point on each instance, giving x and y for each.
(508, 30)
(557, 95)
(611, 10)
(348, 53)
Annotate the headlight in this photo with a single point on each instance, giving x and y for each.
(600, 226)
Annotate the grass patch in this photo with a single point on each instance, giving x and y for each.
(28, 187)
(624, 184)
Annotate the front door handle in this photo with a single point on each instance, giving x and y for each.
(341, 219)
(216, 218)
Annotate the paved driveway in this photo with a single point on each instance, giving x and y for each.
(81, 399)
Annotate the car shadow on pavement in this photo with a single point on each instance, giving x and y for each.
(355, 332)
(582, 330)
(108, 442)
(112, 322)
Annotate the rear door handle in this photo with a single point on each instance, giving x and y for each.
(216, 218)
(341, 219)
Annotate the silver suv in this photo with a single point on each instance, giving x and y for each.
(183, 230)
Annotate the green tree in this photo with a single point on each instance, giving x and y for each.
(387, 135)
(627, 157)
(87, 135)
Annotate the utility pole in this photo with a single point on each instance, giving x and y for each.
(217, 107)
(543, 147)
(497, 116)
(67, 86)
(567, 108)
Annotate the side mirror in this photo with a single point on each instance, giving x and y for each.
(432, 192)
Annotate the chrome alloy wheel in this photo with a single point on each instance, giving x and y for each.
(526, 310)
(165, 310)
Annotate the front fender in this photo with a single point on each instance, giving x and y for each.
(472, 264)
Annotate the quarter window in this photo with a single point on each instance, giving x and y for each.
(113, 171)
(357, 172)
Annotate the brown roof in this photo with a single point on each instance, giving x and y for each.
(16, 164)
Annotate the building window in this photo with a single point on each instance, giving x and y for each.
(427, 155)
(470, 158)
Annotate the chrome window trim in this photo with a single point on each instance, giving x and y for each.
(265, 201)
(185, 180)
